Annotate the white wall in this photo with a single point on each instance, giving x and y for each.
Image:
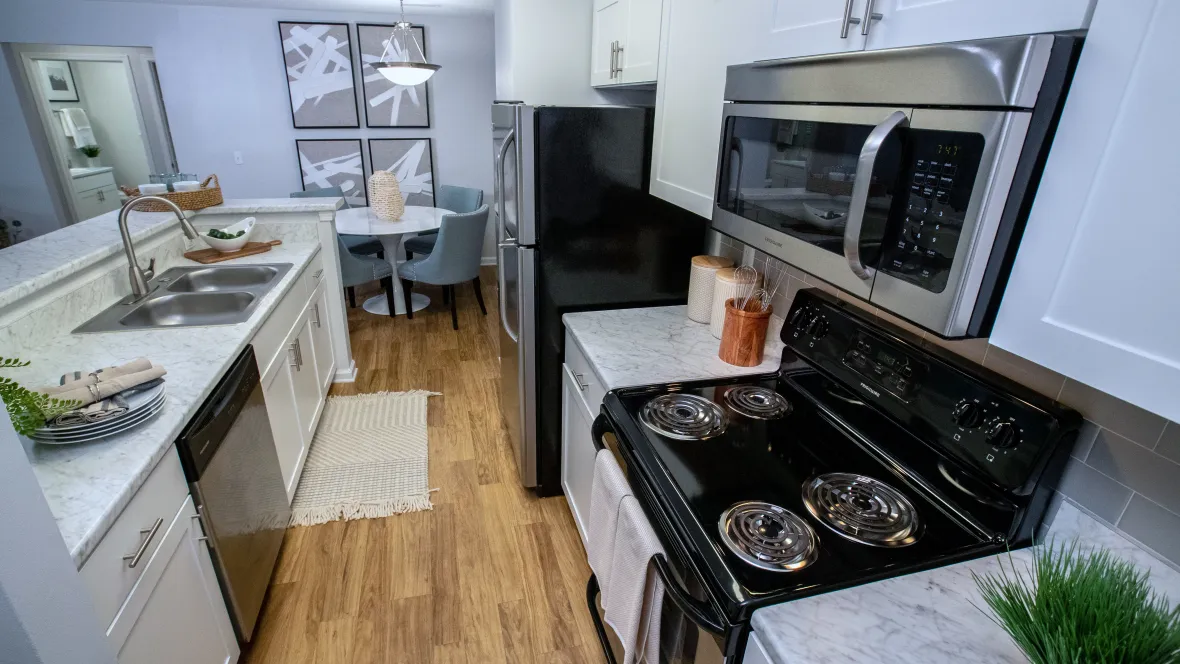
(113, 110)
(543, 55)
(221, 72)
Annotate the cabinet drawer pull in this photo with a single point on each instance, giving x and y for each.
(293, 355)
(578, 379)
(200, 525)
(316, 308)
(870, 16)
(619, 60)
(150, 533)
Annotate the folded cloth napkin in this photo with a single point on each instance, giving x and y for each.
(607, 491)
(98, 411)
(77, 379)
(86, 392)
(636, 595)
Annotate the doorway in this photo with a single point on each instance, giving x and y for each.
(97, 118)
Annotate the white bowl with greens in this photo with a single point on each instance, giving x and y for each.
(231, 238)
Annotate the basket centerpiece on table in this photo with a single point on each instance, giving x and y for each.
(208, 195)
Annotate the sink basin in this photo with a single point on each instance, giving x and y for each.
(192, 296)
(229, 278)
(189, 309)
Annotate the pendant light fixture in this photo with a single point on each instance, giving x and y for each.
(403, 69)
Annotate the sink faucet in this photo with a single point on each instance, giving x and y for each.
(140, 276)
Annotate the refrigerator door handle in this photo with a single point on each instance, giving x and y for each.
(501, 209)
(500, 278)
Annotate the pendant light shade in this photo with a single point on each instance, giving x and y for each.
(401, 67)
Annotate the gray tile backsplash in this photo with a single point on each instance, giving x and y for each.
(1125, 469)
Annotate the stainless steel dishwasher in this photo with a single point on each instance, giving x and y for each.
(229, 459)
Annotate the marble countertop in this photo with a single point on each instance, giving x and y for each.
(86, 171)
(88, 485)
(929, 617)
(658, 345)
(39, 262)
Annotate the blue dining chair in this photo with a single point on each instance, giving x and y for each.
(455, 259)
(356, 270)
(447, 197)
(361, 245)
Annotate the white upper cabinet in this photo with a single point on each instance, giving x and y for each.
(1093, 292)
(808, 27)
(701, 38)
(626, 42)
(912, 22)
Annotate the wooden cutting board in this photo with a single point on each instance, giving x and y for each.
(214, 256)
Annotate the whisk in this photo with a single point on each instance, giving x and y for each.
(746, 278)
(778, 280)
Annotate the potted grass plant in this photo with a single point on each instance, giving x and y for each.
(1078, 606)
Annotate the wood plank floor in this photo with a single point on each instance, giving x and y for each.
(491, 574)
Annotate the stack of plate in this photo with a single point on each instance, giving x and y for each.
(141, 407)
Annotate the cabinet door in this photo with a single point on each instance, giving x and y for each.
(577, 452)
(700, 39)
(1092, 294)
(92, 203)
(755, 651)
(308, 391)
(913, 22)
(610, 18)
(641, 46)
(809, 27)
(321, 341)
(279, 390)
(176, 612)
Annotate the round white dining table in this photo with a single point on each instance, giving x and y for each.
(362, 221)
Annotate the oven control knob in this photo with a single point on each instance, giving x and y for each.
(1002, 434)
(818, 327)
(966, 414)
(798, 316)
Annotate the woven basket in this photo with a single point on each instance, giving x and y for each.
(206, 196)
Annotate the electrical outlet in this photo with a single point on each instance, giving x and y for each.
(238, 157)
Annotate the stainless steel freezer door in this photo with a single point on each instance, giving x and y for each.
(516, 270)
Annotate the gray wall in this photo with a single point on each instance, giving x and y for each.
(1125, 469)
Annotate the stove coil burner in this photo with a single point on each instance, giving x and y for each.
(862, 509)
(768, 536)
(683, 417)
(758, 402)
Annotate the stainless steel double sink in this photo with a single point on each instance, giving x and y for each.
(192, 296)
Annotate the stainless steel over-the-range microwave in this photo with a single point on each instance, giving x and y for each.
(902, 176)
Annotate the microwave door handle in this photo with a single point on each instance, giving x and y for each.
(741, 162)
(860, 191)
(501, 208)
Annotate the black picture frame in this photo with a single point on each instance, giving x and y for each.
(72, 85)
(360, 151)
(373, 165)
(365, 86)
(356, 122)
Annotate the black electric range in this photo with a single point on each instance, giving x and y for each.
(868, 455)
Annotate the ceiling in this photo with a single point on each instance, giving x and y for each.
(417, 7)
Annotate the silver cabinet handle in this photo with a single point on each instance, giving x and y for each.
(870, 16)
(849, 20)
(299, 353)
(860, 191)
(618, 59)
(316, 308)
(578, 379)
(201, 525)
(150, 533)
(293, 355)
(614, 51)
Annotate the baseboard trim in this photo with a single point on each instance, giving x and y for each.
(346, 375)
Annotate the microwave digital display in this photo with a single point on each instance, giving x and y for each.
(942, 170)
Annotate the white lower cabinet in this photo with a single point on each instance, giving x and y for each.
(176, 612)
(577, 451)
(321, 340)
(308, 391)
(755, 651)
(278, 388)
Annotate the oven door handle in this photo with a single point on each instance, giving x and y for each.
(698, 611)
(860, 191)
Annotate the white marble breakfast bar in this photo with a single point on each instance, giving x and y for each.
(52, 283)
(929, 617)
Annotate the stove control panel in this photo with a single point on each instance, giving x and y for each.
(969, 413)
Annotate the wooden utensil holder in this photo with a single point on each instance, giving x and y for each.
(744, 335)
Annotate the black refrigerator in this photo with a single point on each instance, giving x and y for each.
(576, 230)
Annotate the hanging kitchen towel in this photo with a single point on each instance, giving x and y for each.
(606, 492)
(636, 595)
(77, 127)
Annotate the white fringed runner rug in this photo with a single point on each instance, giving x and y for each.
(368, 459)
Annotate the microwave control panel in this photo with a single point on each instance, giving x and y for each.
(942, 171)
